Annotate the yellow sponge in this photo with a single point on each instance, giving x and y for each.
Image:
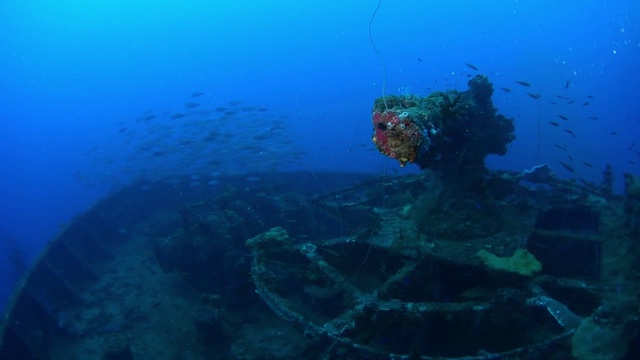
(521, 262)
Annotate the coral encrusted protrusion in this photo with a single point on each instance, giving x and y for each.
(396, 135)
(450, 132)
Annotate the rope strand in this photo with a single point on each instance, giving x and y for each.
(384, 69)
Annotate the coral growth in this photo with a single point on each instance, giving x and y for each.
(451, 131)
(396, 135)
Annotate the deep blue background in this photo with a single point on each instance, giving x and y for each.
(71, 70)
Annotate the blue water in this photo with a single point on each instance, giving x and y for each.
(73, 71)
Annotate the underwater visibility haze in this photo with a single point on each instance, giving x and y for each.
(335, 179)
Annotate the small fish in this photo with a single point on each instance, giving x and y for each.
(554, 123)
(523, 83)
(631, 162)
(613, 133)
(277, 128)
(534, 96)
(569, 132)
(553, 102)
(587, 164)
(196, 94)
(158, 153)
(221, 109)
(637, 152)
(419, 60)
(570, 157)
(123, 129)
(506, 90)
(235, 103)
(570, 101)
(631, 146)
(566, 86)
(562, 97)
(471, 66)
(177, 116)
(588, 184)
(561, 147)
(563, 117)
(585, 104)
(263, 136)
(589, 97)
(593, 118)
(191, 104)
(149, 117)
(568, 167)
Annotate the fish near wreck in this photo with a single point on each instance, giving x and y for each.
(449, 130)
(569, 132)
(471, 66)
(568, 167)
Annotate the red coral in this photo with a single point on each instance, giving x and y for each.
(396, 137)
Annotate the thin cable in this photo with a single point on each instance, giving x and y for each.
(384, 172)
(375, 225)
(384, 68)
(328, 196)
(537, 160)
